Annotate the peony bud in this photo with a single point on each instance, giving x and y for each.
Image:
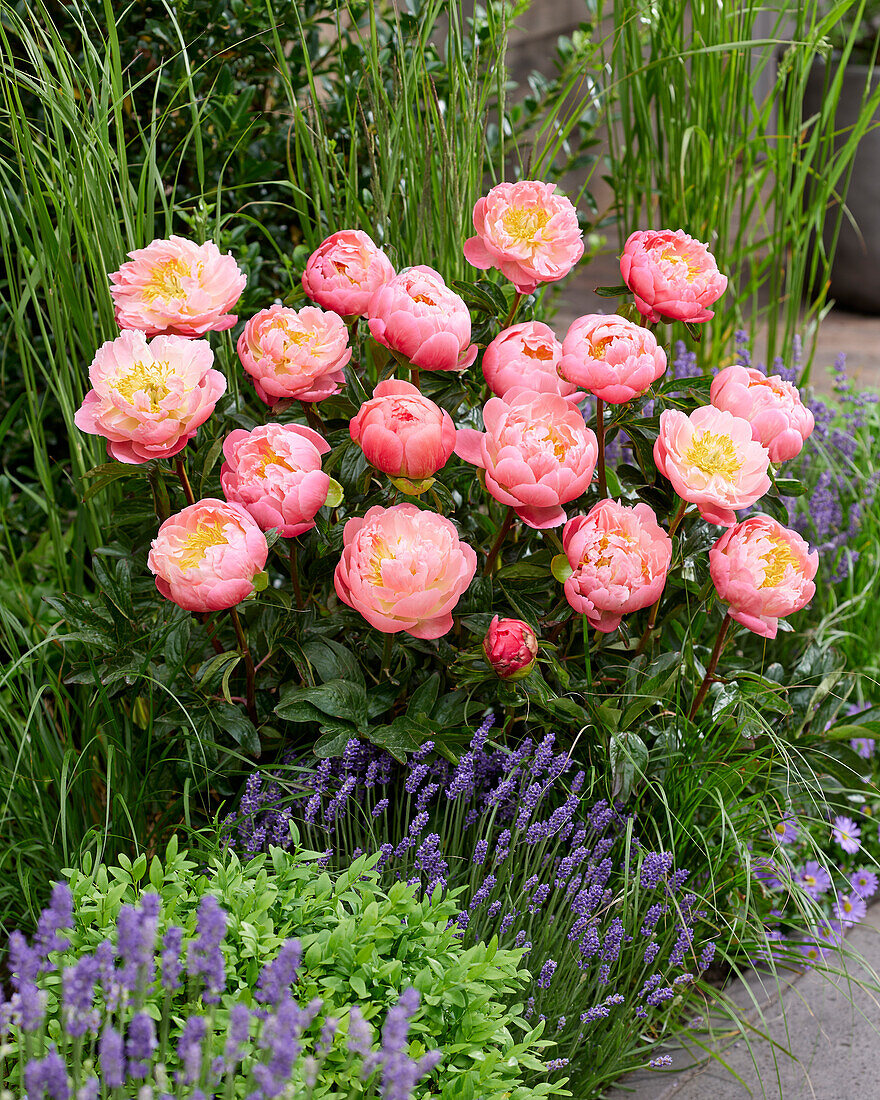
(511, 647)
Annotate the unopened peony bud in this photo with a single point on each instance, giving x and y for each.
(511, 647)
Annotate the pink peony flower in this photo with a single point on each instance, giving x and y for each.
(510, 647)
(177, 287)
(296, 354)
(611, 357)
(619, 558)
(148, 399)
(206, 557)
(402, 433)
(344, 271)
(526, 231)
(417, 315)
(537, 452)
(712, 461)
(672, 276)
(404, 569)
(764, 572)
(526, 356)
(778, 417)
(275, 473)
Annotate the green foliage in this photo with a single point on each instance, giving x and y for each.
(711, 137)
(361, 945)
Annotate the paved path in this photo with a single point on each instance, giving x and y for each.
(830, 1025)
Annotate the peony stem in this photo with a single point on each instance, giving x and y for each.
(294, 575)
(414, 377)
(713, 664)
(499, 539)
(652, 615)
(600, 436)
(250, 674)
(514, 309)
(184, 481)
(312, 416)
(386, 654)
(155, 479)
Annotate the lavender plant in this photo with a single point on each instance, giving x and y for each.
(298, 984)
(614, 940)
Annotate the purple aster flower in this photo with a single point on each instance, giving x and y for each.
(204, 956)
(863, 882)
(813, 879)
(111, 1052)
(47, 1076)
(849, 909)
(864, 746)
(846, 833)
(785, 831)
(278, 976)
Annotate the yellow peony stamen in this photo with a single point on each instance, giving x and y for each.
(148, 378)
(541, 352)
(166, 280)
(775, 562)
(714, 454)
(523, 224)
(196, 545)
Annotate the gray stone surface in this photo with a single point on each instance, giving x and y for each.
(823, 1031)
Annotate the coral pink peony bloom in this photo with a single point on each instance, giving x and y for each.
(764, 572)
(149, 398)
(619, 558)
(611, 357)
(511, 647)
(344, 271)
(177, 287)
(773, 407)
(417, 315)
(296, 354)
(402, 433)
(206, 557)
(275, 473)
(672, 276)
(404, 569)
(537, 452)
(526, 356)
(526, 231)
(712, 461)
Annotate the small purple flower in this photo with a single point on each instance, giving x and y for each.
(785, 831)
(655, 866)
(846, 833)
(380, 807)
(204, 956)
(47, 1076)
(546, 975)
(136, 942)
(663, 1060)
(239, 1030)
(78, 985)
(170, 964)
(111, 1052)
(189, 1050)
(814, 879)
(140, 1044)
(360, 1034)
(864, 882)
(864, 746)
(52, 920)
(849, 909)
(278, 976)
